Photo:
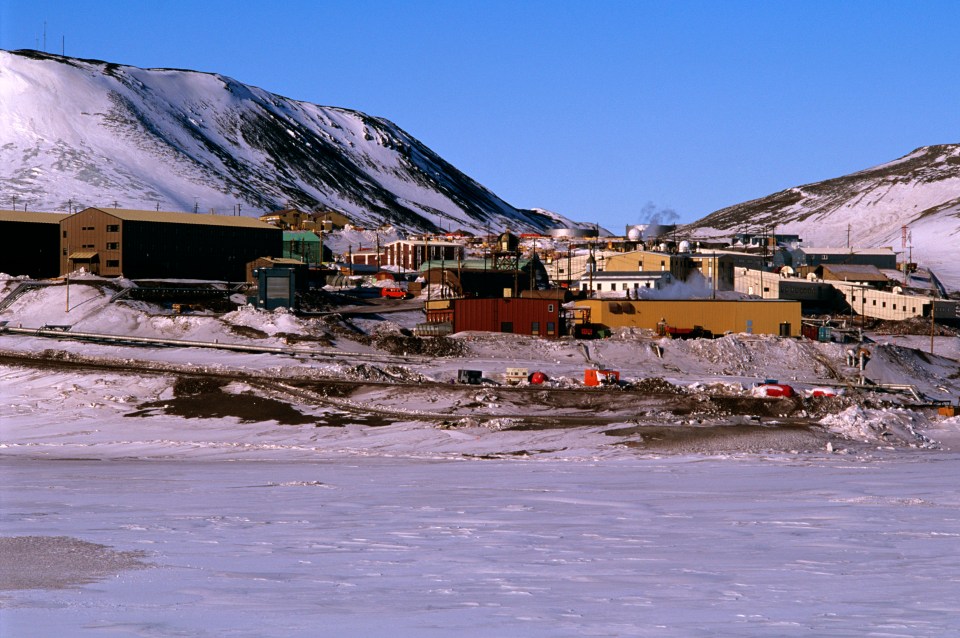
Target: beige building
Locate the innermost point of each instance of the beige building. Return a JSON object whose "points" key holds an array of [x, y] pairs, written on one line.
{"points": [[293, 219], [860, 297], [678, 265], [717, 316], [880, 304], [716, 268]]}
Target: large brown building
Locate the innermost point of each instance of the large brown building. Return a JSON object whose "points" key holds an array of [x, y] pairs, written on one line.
{"points": [[142, 244], [31, 243]]}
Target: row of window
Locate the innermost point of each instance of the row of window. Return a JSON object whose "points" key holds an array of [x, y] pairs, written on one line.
{"points": [[507, 326], [883, 304], [111, 228], [111, 245], [613, 286]]}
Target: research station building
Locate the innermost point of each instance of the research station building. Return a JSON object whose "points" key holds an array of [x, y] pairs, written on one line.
{"points": [[31, 243], [139, 244]]}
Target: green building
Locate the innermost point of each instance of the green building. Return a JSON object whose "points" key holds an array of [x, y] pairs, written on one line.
{"points": [[304, 246]]}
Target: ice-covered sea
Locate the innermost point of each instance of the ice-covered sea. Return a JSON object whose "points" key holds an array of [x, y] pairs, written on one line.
{"points": [[377, 546]]}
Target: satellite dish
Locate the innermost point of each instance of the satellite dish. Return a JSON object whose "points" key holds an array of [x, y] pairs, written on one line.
{"points": [[684, 246], [811, 276], [897, 290], [635, 234], [786, 271]]}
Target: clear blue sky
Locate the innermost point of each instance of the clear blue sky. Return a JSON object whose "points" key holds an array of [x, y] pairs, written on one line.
{"points": [[596, 109]]}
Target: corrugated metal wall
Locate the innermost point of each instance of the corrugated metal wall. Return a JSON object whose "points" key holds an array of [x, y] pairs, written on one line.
{"points": [[516, 315], [717, 316]]}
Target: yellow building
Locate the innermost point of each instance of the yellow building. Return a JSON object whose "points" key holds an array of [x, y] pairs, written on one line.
{"points": [[717, 316], [678, 265]]}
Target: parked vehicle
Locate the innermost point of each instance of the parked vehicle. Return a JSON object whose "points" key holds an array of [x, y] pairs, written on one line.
{"points": [[772, 389], [393, 293], [594, 378]]}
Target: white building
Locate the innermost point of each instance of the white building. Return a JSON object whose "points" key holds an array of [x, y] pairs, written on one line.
{"points": [[624, 282]]}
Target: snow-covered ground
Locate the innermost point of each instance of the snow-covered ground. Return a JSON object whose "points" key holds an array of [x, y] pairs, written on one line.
{"points": [[416, 526]]}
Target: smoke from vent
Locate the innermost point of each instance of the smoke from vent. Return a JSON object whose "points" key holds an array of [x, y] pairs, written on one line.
{"points": [[657, 219]]}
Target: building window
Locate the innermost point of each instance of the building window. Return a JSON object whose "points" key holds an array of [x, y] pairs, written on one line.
{"points": [[88, 246], [64, 252], [551, 328], [64, 234], [113, 263], [506, 326], [874, 302], [535, 327], [550, 307], [599, 286], [113, 228], [894, 306], [884, 304], [636, 285], [112, 245], [88, 228]]}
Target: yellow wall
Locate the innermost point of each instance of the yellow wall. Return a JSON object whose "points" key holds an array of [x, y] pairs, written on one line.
{"points": [[717, 316], [677, 265]]}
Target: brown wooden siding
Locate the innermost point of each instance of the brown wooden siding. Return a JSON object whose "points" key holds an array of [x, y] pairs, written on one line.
{"points": [[168, 250]]}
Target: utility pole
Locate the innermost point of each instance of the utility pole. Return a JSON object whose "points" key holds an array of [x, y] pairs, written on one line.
{"points": [[933, 322]]}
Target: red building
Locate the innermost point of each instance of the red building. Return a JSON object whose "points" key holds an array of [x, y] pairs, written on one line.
{"points": [[409, 254], [366, 257], [536, 317]]}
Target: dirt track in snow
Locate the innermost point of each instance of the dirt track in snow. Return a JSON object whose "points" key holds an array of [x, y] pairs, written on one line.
{"points": [[669, 420]]}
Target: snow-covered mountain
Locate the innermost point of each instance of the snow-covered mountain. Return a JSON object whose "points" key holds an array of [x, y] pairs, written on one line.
{"points": [[81, 133], [920, 191]]}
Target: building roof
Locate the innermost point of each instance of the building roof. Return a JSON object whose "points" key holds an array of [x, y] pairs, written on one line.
{"points": [[420, 242], [83, 255], [811, 250], [855, 272], [628, 274], [31, 217], [201, 219], [300, 235]]}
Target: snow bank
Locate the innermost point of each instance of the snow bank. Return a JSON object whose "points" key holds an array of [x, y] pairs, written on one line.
{"points": [[893, 426]]}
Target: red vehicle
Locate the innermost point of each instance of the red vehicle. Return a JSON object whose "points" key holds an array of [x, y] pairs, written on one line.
{"points": [[773, 390], [393, 293]]}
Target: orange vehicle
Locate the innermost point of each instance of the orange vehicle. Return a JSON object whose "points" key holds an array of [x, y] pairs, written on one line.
{"points": [[393, 293]]}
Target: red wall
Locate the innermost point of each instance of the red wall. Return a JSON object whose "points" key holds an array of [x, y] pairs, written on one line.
{"points": [[490, 315]]}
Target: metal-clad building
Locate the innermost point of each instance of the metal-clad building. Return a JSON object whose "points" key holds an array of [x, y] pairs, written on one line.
{"points": [[717, 316], [32, 243], [535, 317], [142, 244], [883, 257], [305, 246]]}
